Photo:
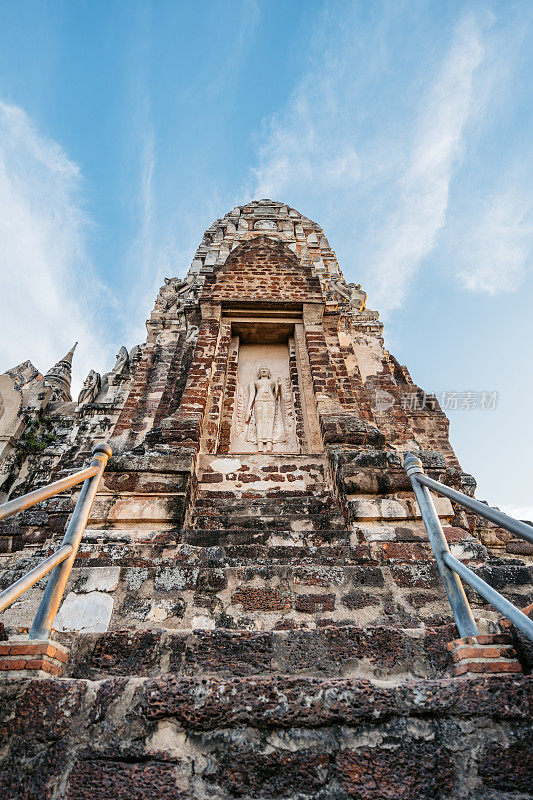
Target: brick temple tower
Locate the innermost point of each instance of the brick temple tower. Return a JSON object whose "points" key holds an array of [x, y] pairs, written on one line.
{"points": [[255, 610]]}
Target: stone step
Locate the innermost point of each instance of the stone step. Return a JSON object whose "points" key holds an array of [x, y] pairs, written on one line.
{"points": [[276, 486], [182, 587], [276, 519], [325, 520], [261, 472], [266, 541], [296, 501], [270, 596], [348, 651], [251, 737], [267, 512], [258, 506], [297, 507]]}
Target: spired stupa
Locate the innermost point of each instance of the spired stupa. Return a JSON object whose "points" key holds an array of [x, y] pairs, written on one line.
{"points": [[254, 610]]}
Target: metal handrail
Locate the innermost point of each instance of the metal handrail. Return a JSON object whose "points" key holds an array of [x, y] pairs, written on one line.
{"points": [[450, 568], [62, 560], [51, 489], [510, 524]]}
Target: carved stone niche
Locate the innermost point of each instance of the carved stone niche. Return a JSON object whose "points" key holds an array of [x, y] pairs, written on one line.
{"points": [[264, 414], [268, 403]]}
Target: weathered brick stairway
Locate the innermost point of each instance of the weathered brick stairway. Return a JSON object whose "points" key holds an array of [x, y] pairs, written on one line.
{"points": [[294, 660]]}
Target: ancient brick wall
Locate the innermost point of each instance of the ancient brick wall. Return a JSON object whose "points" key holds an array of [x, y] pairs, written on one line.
{"points": [[266, 621], [262, 270]]}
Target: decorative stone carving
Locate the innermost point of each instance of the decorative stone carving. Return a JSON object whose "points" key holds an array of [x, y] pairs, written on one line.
{"points": [[350, 293], [265, 225], [122, 367], [104, 388], [135, 353], [23, 374], [358, 297], [177, 292], [264, 414], [11, 424], [91, 387]]}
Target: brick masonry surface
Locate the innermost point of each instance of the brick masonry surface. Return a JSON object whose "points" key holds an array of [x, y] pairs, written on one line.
{"points": [[32, 658], [306, 738], [491, 654], [255, 625]]}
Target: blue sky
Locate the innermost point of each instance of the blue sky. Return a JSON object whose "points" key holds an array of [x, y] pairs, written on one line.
{"points": [[403, 128]]}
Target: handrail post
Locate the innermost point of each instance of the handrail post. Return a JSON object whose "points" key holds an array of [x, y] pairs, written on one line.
{"points": [[49, 605], [462, 612]]}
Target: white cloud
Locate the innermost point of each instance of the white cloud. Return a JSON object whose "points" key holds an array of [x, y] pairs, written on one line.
{"points": [[49, 292], [147, 198], [309, 148], [424, 186], [344, 149], [144, 255], [299, 151], [223, 80], [518, 512], [498, 245]]}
